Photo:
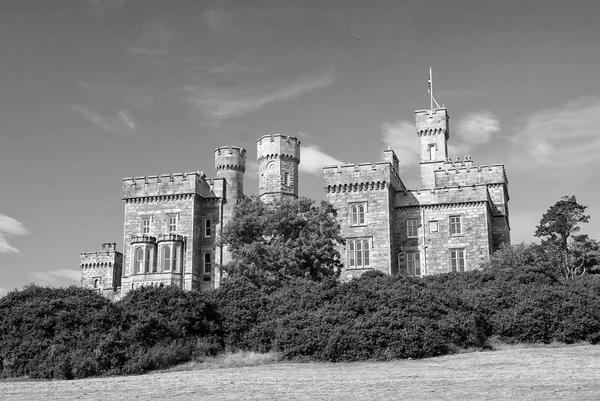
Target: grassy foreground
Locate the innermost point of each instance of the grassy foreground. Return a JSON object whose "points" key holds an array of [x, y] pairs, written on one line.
{"points": [[511, 372]]}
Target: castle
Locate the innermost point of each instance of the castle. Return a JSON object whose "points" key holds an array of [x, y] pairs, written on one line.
{"points": [[454, 222]]}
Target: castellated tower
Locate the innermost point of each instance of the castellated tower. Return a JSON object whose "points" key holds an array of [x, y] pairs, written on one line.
{"points": [[433, 131], [278, 159], [230, 164], [101, 271]]}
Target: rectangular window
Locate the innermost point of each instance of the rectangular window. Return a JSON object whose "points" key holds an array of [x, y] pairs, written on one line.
{"points": [[207, 263], [171, 223], [145, 225], [432, 149], [351, 255], [207, 228], [455, 225], [413, 263], [359, 253], [434, 226], [357, 214], [412, 228], [457, 260]]}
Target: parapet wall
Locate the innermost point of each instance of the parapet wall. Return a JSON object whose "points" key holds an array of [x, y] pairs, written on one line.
{"points": [[278, 146], [442, 196], [363, 176], [166, 184], [230, 158], [432, 122], [456, 174]]}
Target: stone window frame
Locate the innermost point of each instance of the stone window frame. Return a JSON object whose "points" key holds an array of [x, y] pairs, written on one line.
{"points": [[354, 209], [432, 224], [416, 263], [97, 282], [147, 263], [456, 256], [171, 228], [143, 226], [359, 258], [455, 227], [412, 231], [207, 228], [207, 264], [175, 250]]}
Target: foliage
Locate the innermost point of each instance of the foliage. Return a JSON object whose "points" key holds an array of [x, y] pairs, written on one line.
{"points": [[557, 227], [274, 242]]}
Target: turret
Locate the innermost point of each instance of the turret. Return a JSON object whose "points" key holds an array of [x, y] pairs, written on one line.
{"points": [[230, 163], [433, 131], [278, 158]]}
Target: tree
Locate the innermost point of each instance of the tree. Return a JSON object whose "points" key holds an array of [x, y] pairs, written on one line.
{"points": [[271, 242], [557, 227]]}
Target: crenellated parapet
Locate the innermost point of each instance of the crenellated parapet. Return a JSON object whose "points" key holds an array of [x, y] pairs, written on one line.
{"points": [[446, 197], [277, 146], [166, 185], [432, 122], [361, 177], [464, 174], [230, 158], [143, 239]]}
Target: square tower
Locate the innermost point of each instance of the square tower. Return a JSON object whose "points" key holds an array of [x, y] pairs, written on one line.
{"points": [[433, 131]]}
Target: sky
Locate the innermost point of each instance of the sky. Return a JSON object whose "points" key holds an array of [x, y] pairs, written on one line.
{"points": [[92, 91]]}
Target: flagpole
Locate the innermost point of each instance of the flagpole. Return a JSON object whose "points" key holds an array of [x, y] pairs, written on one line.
{"points": [[430, 89]]}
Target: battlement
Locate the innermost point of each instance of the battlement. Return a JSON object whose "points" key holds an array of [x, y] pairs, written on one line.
{"points": [[230, 158], [166, 184], [278, 146], [464, 174], [143, 239], [170, 237], [432, 122], [378, 174], [442, 196]]}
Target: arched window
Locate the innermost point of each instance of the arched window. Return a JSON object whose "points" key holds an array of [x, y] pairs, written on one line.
{"points": [[359, 253], [166, 258], [147, 260], [139, 260], [96, 282], [357, 214], [176, 251]]}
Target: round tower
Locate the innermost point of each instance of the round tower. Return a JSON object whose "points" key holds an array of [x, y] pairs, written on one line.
{"points": [[230, 163], [278, 158]]}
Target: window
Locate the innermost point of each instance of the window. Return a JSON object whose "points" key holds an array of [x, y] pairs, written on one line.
{"points": [[96, 283], [359, 253], [147, 261], [455, 225], [139, 259], [357, 214], [434, 226], [145, 225], [171, 223], [170, 257], [413, 263], [286, 179], [432, 149], [167, 259], [457, 260], [207, 228], [412, 228], [207, 263]]}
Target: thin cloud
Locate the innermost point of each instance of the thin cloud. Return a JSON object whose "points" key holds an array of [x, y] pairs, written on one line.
{"points": [[477, 128], [155, 40], [401, 136], [217, 20], [8, 227], [123, 123], [3, 292], [219, 104], [313, 159], [565, 136], [56, 275]]}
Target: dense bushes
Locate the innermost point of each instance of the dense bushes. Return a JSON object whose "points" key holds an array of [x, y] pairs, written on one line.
{"points": [[73, 333]]}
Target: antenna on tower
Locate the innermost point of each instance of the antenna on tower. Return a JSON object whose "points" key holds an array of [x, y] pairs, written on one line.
{"points": [[432, 100]]}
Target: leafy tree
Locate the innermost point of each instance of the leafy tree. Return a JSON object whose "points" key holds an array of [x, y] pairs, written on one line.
{"points": [[557, 227], [272, 242], [586, 254]]}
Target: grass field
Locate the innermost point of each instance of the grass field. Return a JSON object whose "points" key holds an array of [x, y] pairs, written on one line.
{"points": [[548, 372]]}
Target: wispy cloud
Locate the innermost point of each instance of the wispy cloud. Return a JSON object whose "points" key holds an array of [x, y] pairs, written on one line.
{"points": [[219, 104], [8, 227], [155, 40], [565, 136], [217, 20], [3, 292], [122, 123], [313, 159], [402, 137], [472, 130], [56, 275]]}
